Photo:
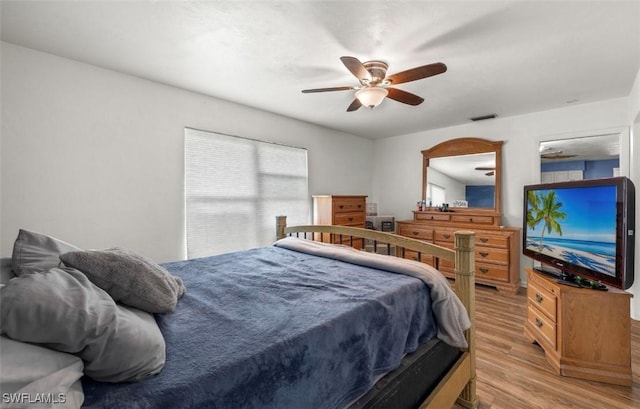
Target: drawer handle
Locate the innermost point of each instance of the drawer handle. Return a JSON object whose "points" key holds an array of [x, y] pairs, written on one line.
{"points": [[447, 236], [470, 219], [483, 254], [484, 239], [359, 206], [484, 270], [431, 217], [538, 323], [415, 233], [539, 297], [341, 206], [350, 219]]}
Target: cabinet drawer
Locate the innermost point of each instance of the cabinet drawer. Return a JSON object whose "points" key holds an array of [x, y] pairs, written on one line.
{"points": [[441, 217], [484, 239], [492, 271], [349, 205], [544, 327], [415, 231], [544, 300], [459, 218], [349, 219], [443, 236], [495, 255]]}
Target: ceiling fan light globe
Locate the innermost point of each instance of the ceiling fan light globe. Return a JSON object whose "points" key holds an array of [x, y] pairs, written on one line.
{"points": [[371, 96]]}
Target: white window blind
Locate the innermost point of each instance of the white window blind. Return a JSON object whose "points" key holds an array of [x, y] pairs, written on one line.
{"points": [[235, 188]]}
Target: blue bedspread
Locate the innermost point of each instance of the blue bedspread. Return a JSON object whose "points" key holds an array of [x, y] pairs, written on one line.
{"points": [[276, 328]]}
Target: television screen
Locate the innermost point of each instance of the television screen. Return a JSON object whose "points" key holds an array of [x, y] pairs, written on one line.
{"points": [[582, 228]]}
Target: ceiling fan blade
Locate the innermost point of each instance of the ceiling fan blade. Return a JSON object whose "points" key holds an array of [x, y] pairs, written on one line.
{"points": [[306, 91], [404, 96], [417, 73], [355, 105], [356, 67], [556, 156]]}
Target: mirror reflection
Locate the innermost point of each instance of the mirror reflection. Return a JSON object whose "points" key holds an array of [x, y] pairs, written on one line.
{"points": [[590, 157], [462, 181]]}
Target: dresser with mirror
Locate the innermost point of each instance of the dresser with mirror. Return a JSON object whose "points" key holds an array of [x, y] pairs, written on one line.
{"points": [[461, 190]]}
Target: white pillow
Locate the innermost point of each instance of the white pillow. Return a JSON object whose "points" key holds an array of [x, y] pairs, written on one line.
{"points": [[31, 373]]}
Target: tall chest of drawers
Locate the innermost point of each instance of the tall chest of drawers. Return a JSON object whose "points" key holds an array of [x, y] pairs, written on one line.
{"points": [[497, 255], [345, 210], [584, 333]]}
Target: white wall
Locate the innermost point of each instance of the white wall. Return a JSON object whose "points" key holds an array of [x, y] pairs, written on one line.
{"points": [[95, 157], [398, 171], [633, 118]]}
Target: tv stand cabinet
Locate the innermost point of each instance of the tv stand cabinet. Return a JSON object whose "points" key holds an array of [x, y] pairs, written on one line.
{"points": [[585, 333]]}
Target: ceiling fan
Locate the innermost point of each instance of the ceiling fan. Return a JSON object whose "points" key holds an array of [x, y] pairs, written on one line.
{"points": [[491, 169], [555, 154], [375, 85]]}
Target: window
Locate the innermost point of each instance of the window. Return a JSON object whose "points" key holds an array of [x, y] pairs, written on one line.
{"points": [[234, 189], [436, 195]]}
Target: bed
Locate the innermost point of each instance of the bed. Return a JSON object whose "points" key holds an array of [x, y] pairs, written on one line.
{"points": [[366, 333]]}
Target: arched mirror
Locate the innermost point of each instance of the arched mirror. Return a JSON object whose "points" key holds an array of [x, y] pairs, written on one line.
{"points": [[465, 174]]}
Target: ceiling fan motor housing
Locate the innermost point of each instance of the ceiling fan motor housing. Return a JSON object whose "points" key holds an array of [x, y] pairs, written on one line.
{"points": [[377, 69]]}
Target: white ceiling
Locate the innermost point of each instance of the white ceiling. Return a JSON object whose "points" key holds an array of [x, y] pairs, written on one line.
{"points": [[503, 57]]}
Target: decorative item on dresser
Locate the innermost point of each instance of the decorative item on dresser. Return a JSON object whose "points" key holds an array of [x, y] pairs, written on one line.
{"points": [[467, 170], [585, 333], [343, 210]]}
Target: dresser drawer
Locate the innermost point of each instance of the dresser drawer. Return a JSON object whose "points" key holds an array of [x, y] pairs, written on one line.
{"points": [[492, 240], [494, 255], [492, 271], [445, 236], [415, 231], [446, 264], [473, 219], [342, 205], [445, 244], [542, 325], [433, 216], [349, 219], [543, 300]]}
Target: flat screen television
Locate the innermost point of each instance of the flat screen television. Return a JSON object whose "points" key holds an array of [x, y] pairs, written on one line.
{"points": [[584, 230]]}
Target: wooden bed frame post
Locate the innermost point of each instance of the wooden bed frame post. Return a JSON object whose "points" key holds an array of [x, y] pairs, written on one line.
{"points": [[281, 223], [465, 289]]}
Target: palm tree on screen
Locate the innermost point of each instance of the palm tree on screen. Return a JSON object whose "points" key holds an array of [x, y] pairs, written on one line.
{"points": [[549, 212], [533, 210]]}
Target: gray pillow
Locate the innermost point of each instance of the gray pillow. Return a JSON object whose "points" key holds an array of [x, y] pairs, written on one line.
{"points": [[62, 310], [37, 252], [129, 278]]}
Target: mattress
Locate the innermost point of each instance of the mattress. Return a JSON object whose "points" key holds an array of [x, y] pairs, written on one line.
{"points": [[417, 376]]}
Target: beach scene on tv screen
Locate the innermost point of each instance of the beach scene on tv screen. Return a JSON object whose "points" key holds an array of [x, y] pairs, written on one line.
{"points": [[577, 225]]}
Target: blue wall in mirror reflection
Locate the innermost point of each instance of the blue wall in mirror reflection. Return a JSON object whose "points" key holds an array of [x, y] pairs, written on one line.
{"points": [[592, 169]]}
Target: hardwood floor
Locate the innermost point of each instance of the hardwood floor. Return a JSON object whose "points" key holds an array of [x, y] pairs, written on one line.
{"points": [[513, 373]]}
